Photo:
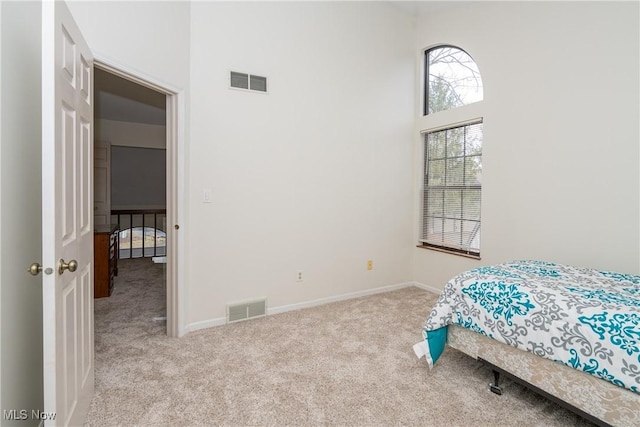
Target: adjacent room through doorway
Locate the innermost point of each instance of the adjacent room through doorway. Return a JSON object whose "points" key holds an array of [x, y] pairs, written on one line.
{"points": [[130, 187]]}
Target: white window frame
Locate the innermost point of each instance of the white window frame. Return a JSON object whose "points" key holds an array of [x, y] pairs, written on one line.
{"points": [[440, 120], [464, 249]]}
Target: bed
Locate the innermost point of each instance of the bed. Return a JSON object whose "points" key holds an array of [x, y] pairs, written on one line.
{"points": [[572, 334]]}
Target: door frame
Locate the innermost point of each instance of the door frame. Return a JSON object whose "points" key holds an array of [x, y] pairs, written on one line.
{"points": [[175, 135]]}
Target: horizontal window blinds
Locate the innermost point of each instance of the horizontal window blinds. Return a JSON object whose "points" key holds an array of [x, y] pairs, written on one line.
{"points": [[452, 188]]}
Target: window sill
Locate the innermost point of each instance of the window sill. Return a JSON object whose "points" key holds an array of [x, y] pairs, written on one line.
{"points": [[447, 251]]}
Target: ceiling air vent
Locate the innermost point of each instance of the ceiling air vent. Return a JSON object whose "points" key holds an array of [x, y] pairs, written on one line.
{"points": [[248, 81], [246, 310]]}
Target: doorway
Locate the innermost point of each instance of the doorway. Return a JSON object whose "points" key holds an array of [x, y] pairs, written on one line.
{"points": [[137, 118]]}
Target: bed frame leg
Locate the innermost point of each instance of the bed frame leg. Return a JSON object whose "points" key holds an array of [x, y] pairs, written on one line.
{"points": [[494, 387]]}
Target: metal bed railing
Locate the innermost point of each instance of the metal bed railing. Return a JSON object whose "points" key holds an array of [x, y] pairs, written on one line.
{"points": [[142, 232]]}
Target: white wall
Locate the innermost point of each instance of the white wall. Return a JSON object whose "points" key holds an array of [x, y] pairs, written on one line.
{"points": [[312, 176], [561, 132], [1, 140], [130, 134], [315, 175], [149, 36], [20, 211], [151, 39]]}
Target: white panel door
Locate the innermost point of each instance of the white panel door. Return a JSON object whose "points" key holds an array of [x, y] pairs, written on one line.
{"points": [[67, 212], [102, 183]]}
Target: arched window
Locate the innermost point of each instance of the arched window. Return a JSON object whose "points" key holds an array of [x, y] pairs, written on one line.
{"points": [[452, 79], [452, 181], [139, 242]]}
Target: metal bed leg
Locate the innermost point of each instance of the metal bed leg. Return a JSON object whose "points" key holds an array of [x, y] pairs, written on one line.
{"points": [[494, 387]]}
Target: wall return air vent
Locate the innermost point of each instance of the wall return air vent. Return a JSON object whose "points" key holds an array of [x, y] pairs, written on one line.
{"points": [[246, 310], [247, 81]]}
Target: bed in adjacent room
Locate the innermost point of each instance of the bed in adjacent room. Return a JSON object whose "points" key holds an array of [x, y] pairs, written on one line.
{"points": [[579, 329]]}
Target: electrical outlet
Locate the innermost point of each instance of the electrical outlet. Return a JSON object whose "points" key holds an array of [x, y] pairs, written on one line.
{"points": [[299, 277], [370, 265]]}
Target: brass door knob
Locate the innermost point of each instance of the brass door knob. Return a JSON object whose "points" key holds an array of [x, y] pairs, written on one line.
{"points": [[34, 269], [71, 266]]}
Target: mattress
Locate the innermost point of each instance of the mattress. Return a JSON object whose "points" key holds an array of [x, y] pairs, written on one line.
{"points": [[604, 400], [586, 319]]}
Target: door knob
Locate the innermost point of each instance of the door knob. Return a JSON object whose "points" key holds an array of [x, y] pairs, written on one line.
{"points": [[34, 269], [71, 266]]}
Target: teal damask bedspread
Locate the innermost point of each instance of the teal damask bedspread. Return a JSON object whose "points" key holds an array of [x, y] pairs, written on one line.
{"points": [[584, 318]]}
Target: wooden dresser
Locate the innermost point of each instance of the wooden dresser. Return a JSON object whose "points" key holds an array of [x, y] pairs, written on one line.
{"points": [[105, 259]]}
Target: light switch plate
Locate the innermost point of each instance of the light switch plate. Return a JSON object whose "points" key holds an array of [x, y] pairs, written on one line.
{"points": [[206, 195]]}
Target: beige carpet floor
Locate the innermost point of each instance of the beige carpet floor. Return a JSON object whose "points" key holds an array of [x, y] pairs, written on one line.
{"points": [[348, 363]]}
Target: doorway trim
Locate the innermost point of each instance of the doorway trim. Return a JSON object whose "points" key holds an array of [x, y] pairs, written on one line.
{"points": [[175, 135]]}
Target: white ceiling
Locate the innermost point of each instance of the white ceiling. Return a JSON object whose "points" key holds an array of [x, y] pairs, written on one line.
{"points": [[122, 100]]}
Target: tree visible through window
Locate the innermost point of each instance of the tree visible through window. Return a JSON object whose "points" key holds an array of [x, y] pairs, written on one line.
{"points": [[453, 154], [452, 79], [452, 188]]}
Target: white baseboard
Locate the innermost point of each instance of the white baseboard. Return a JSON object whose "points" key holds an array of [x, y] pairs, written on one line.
{"points": [[427, 288], [307, 304], [204, 324], [336, 298]]}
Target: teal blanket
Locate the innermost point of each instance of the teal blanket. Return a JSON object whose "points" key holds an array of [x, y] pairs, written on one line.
{"points": [[584, 318]]}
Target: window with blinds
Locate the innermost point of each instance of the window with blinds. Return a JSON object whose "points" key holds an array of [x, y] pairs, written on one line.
{"points": [[452, 188]]}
